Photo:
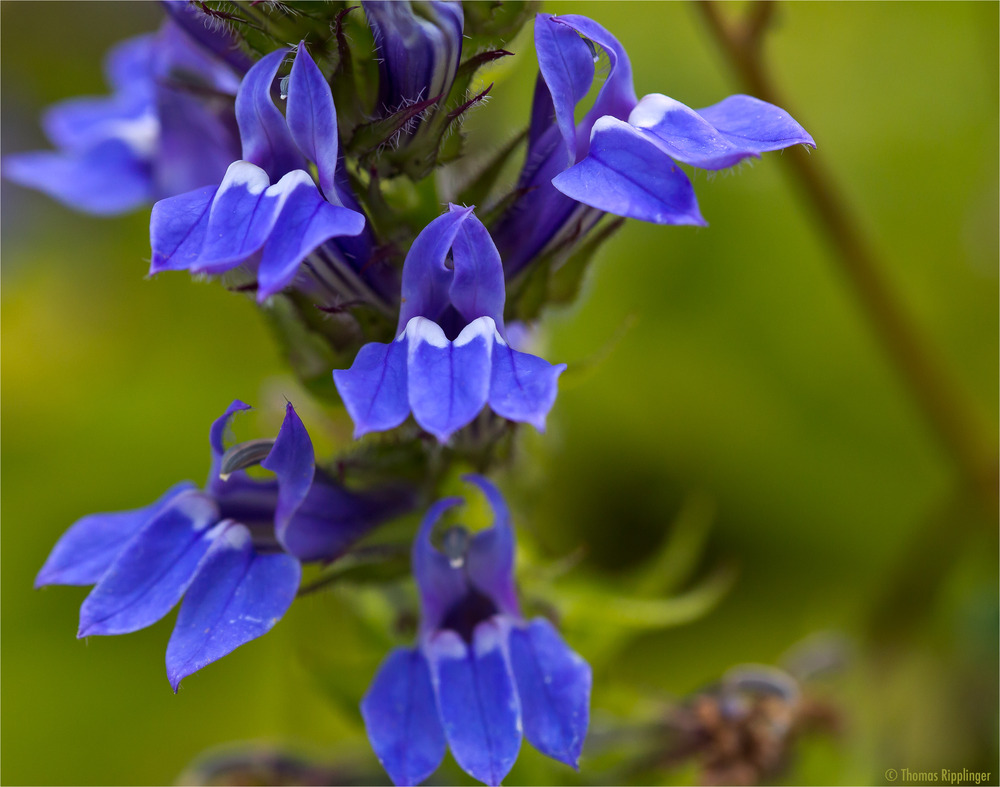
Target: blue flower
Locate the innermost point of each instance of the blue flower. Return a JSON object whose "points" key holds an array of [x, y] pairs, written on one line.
{"points": [[480, 673], [451, 356], [622, 156], [419, 49], [168, 127], [267, 212], [232, 550]]}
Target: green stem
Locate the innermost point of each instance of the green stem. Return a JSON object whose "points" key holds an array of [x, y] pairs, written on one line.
{"points": [[951, 415]]}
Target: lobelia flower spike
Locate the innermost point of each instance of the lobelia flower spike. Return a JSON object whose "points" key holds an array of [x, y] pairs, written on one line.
{"points": [[168, 127], [267, 212], [451, 356], [480, 673], [622, 156], [232, 550]]}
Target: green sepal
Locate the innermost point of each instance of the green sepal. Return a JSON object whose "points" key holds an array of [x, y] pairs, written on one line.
{"points": [[557, 276], [262, 28], [315, 341]]}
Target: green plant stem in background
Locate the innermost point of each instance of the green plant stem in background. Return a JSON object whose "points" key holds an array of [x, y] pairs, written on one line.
{"points": [[945, 405]]}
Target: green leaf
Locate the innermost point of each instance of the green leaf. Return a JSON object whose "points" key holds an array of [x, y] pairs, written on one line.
{"points": [[566, 279], [681, 550], [593, 608]]}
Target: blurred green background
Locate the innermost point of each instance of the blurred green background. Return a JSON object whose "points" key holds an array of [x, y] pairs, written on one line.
{"points": [[734, 364]]}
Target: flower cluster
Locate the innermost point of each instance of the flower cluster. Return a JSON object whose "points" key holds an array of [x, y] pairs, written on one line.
{"points": [[308, 179]]}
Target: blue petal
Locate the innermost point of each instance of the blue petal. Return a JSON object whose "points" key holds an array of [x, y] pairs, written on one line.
{"points": [[477, 289], [628, 175], [266, 141], [522, 386], [128, 65], [177, 229], [489, 560], [240, 219], [312, 119], [179, 55], [90, 546], [217, 434], [196, 144], [374, 388], [237, 595], [152, 572], [566, 64], [426, 279], [721, 135], [477, 700], [441, 584], [401, 718], [617, 95], [756, 120], [306, 220], [81, 123], [104, 180], [553, 684], [448, 383], [293, 461]]}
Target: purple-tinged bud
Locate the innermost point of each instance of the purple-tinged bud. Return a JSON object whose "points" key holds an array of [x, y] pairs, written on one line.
{"points": [[419, 48]]}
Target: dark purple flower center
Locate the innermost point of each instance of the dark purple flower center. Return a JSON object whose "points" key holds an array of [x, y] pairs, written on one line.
{"points": [[467, 613]]}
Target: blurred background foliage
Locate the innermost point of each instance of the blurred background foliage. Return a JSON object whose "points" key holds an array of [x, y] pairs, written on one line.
{"points": [[731, 377]]}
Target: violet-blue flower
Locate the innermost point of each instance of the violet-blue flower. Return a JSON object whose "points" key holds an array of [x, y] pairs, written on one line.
{"points": [[168, 127], [451, 357], [480, 674], [622, 157], [624, 151], [267, 212], [232, 550]]}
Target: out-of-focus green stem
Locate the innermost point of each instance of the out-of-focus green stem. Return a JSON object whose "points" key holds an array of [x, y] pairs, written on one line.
{"points": [[951, 414]]}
